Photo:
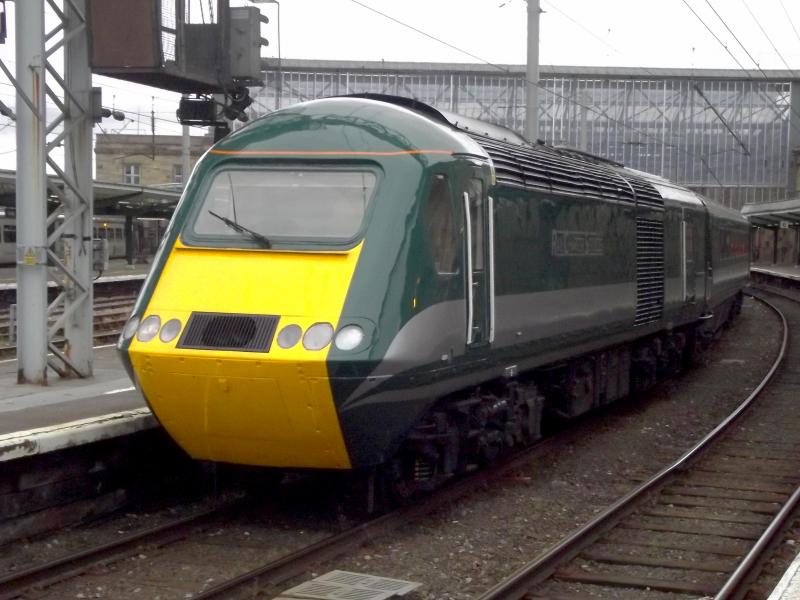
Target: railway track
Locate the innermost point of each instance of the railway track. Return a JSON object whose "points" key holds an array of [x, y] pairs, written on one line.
{"points": [[685, 498], [269, 575], [701, 527], [72, 565], [110, 314]]}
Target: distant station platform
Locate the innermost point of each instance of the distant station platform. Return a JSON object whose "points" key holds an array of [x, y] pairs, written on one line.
{"points": [[776, 238], [36, 419], [119, 270], [791, 272], [765, 214]]}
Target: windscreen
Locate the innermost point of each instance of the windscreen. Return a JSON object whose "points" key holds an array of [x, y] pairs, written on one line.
{"points": [[285, 205]]}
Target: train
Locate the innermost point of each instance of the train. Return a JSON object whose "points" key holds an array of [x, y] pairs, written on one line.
{"points": [[367, 283], [147, 234]]}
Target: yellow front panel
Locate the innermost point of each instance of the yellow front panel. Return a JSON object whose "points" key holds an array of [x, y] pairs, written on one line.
{"points": [[272, 409]]}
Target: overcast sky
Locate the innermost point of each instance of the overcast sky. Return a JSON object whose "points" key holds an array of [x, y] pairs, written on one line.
{"points": [[647, 33]]}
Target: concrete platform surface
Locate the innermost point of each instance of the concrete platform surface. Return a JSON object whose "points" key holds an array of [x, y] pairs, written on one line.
{"points": [[788, 587], [789, 272], [118, 270], [68, 412]]}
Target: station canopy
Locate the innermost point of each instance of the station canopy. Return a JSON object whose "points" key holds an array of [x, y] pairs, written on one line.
{"points": [[773, 214], [109, 198]]}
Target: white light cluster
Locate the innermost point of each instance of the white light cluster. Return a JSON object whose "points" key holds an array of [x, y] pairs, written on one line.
{"points": [[147, 329], [319, 335]]}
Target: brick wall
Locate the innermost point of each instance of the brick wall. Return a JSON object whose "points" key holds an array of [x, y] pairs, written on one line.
{"points": [[156, 156]]}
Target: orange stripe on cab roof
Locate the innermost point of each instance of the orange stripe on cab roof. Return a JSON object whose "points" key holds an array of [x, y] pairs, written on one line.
{"points": [[326, 152]]}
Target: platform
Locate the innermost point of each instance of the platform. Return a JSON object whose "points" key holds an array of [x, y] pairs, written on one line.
{"points": [[118, 270], [788, 587], [787, 272], [68, 412]]}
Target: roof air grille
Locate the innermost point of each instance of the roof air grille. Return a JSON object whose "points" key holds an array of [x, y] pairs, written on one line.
{"points": [[566, 172], [646, 195], [547, 170]]}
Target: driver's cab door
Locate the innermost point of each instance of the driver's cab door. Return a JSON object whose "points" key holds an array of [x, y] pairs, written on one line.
{"points": [[479, 259], [693, 250]]}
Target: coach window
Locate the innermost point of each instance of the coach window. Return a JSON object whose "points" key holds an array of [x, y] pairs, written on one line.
{"points": [[440, 227], [9, 233]]}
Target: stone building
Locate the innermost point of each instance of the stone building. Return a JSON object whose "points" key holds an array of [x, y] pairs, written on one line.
{"points": [[144, 160]]}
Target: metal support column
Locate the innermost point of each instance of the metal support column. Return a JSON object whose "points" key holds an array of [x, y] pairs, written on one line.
{"points": [[59, 238], [793, 145], [129, 238], [31, 194], [78, 197], [532, 73]]}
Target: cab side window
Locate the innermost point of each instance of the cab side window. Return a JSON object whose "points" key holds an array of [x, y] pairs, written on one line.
{"points": [[475, 192], [440, 227]]}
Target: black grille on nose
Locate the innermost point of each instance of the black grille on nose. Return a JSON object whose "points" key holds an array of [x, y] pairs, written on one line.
{"points": [[220, 331]]}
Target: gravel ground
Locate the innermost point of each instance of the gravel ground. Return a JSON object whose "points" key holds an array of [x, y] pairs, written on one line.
{"points": [[460, 551], [30, 552]]}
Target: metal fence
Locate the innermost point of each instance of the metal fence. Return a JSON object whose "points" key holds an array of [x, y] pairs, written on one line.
{"points": [[726, 137]]}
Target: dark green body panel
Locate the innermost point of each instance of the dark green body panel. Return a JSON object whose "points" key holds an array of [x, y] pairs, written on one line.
{"points": [[376, 415]]}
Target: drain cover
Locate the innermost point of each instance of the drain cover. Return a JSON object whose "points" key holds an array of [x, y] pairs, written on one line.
{"points": [[344, 585]]}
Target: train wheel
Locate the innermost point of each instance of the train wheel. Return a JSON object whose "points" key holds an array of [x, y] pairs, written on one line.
{"points": [[395, 485]]}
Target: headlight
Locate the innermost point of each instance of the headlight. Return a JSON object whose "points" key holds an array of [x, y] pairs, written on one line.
{"points": [[289, 336], [349, 337], [149, 328], [170, 330], [318, 336], [130, 328]]}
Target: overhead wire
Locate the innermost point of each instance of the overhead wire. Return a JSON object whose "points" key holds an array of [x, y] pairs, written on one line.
{"points": [[432, 37], [789, 18], [716, 37], [778, 108], [606, 43], [738, 41], [593, 109], [586, 29], [769, 39]]}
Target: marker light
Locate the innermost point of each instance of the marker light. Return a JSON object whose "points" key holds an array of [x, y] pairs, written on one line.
{"points": [[170, 330], [349, 337], [149, 328], [130, 328], [289, 336], [318, 336]]}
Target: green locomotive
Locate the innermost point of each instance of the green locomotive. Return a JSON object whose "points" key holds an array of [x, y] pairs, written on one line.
{"points": [[365, 281]]}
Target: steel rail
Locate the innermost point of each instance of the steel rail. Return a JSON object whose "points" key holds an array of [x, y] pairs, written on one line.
{"points": [[280, 570], [105, 325], [747, 570], [519, 583], [15, 584]]}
